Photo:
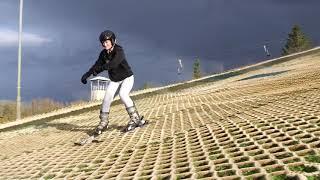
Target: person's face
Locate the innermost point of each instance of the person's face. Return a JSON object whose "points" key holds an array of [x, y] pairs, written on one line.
{"points": [[107, 45]]}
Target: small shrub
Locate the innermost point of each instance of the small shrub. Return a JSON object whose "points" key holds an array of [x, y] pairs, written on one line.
{"points": [[313, 158], [303, 168]]}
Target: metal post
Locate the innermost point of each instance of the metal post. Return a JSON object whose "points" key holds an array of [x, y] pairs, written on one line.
{"points": [[91, 91], [19, 64]]}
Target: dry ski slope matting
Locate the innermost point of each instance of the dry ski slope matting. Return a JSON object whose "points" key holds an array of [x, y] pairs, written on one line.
{"points": [[261, 124]]}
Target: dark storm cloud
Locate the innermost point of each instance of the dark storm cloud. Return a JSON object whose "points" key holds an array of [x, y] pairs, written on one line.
{"points": [[222, 34], [211, 29]]}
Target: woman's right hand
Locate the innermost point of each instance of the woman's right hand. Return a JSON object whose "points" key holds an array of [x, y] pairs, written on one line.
{"points": [[85, 77]]}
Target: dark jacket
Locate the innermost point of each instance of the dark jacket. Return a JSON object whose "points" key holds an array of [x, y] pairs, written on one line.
{"points": [[115, 63]]}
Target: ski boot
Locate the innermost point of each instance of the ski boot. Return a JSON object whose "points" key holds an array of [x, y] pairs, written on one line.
{"points": [[98, 130], [103, 123], [135, 119]]}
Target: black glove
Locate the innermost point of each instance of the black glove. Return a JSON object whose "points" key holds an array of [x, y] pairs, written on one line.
{"points": [[85, 77]]}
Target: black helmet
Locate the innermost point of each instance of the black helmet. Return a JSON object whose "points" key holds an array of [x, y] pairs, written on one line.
{"points": [[107, 35]]}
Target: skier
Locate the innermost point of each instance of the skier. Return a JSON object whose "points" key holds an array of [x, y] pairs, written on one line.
{"points": [[112, 59]]}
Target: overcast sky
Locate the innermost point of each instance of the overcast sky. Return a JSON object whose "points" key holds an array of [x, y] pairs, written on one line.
{"points": [[61, 39]]}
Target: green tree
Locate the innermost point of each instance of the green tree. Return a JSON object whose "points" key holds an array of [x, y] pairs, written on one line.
{"points": [[297, 41], [196, 69]]}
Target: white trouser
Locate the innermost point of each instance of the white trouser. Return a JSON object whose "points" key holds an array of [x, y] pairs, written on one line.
{"points": [[125, 88]]}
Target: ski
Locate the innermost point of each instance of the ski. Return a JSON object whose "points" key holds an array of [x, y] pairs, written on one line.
{"points": [[124, 130], [94, 137], [88, 140]]}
